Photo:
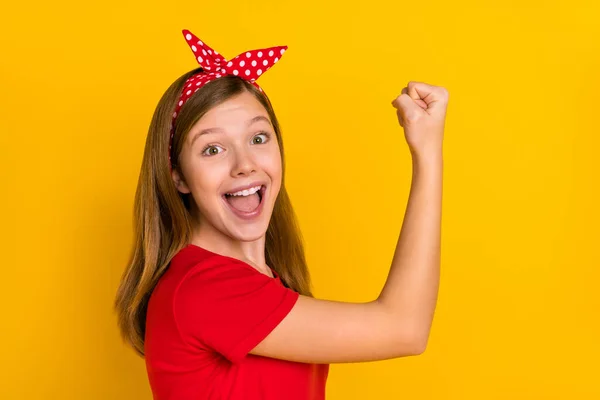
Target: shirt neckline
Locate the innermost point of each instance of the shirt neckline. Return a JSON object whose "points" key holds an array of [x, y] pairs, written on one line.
{"points": [[275, 274]]}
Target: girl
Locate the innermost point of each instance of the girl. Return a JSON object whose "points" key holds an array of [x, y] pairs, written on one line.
{"points": [[217, 294]]}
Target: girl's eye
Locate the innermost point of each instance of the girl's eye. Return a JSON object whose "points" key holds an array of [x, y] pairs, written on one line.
{"points": [[261, 141], [211, 150]]}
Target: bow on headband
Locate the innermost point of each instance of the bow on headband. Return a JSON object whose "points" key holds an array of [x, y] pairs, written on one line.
{"points": [[248, 65]]}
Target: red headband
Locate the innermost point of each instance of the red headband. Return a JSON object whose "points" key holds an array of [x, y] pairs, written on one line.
{"points": [[248, 65]]}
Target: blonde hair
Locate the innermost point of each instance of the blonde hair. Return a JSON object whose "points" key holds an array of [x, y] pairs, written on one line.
{"points": [[162, 219]]}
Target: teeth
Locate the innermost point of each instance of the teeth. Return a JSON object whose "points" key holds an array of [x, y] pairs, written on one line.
{"points": [[245, 192]]}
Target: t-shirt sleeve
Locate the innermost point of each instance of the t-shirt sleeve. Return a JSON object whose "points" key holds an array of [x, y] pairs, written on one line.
{"points": [[229, 307]]}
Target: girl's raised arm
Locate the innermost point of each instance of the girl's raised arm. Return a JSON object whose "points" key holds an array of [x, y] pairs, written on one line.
{"points": [[398, 322]]}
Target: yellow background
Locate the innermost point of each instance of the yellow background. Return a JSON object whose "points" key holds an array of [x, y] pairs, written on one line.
{"points": [[518, 312]]}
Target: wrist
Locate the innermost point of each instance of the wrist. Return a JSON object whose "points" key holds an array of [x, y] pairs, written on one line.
{"points": [[423, 159]]}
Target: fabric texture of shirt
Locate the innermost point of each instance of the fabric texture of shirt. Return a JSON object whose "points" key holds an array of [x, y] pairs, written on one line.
{"points": [[207, 312]]}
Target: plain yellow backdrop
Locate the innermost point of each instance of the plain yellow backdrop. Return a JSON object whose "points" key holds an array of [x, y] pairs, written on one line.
{"points": [[519, 305]]}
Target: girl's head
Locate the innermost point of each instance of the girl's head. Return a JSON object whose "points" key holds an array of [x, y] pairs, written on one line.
{"points": [[226, 141], [226, 137]]}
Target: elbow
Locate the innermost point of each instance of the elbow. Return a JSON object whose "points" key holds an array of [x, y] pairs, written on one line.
{"points": [[420, 344], [410, 345], [419, 348]]}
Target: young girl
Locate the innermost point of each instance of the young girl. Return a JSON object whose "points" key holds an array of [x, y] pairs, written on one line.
{"points": [[217, 294]]}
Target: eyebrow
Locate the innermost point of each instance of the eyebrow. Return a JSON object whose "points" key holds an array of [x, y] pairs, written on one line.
{"points": [[214, 130]]}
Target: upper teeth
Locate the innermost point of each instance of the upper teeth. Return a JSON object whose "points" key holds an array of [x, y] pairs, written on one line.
{"points": [[246, 192]]}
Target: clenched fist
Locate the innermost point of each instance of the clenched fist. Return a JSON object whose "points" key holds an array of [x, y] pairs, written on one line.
{"points": [[421, 110]]}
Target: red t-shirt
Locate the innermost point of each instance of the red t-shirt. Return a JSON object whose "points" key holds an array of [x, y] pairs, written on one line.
{"points": [[204, 316]]}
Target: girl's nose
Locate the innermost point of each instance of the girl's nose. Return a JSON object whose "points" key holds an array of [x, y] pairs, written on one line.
{"points": [[244, 163]]}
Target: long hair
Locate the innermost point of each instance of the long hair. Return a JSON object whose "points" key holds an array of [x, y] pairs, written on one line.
{"points": [[162, 220]]}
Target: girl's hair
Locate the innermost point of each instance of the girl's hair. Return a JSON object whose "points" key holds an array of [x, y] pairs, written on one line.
{"points": [[162, 219]]}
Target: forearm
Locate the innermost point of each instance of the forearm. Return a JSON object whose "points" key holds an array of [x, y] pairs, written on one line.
{"points": [[411, 289]]}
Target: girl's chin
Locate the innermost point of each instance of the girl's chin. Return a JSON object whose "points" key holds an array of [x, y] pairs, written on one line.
{"points": [[248, 233]]}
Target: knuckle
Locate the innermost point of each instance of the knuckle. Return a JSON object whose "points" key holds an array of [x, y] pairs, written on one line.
{"points": [[443, 92]]}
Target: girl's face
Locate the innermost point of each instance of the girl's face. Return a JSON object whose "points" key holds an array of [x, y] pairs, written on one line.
{"points": [[231, 150]]}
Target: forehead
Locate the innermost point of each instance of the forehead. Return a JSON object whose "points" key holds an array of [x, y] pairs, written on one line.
{"points": [[233, 111], [233, 115]]}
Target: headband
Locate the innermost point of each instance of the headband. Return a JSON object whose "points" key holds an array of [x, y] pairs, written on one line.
{"points": [[248, 65]]}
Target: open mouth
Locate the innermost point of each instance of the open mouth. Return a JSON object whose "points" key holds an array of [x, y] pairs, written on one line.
{"points": [[247, 203]]}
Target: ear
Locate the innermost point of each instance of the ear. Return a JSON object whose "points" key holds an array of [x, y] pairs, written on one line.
{"points": [[179, 182]]}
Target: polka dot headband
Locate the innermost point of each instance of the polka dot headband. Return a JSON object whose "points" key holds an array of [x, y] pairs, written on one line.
{"points": [[248, 65]]}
